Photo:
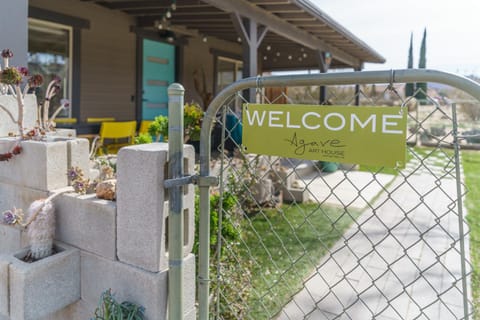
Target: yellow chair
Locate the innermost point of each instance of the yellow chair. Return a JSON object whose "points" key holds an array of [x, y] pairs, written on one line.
{"points": [[144, 126], [98, 120], [113, 136], [66, 120]]}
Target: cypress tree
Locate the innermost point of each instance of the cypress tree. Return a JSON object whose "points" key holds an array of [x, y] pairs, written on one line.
{"points": [[409, 87], [422, 64]]}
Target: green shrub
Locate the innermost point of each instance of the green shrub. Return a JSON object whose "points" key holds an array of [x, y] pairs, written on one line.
{"points": [[229, 232], [234, 279], [110, 309], [143, 138]]}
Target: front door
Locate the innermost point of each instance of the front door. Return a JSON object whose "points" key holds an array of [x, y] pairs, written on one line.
{"points": [[158, 74]]}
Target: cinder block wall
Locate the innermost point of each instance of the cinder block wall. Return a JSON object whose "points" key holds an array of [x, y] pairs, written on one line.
{"points": [[102, 244]]}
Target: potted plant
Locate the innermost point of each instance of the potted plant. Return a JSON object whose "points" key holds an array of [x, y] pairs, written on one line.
{"points": [[192, 121], [17, 82]]}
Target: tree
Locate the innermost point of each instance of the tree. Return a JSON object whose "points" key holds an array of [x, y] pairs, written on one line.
{"points": [[409, 87], [422, 64]]}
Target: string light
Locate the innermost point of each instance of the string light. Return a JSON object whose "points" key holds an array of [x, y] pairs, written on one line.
{"points": [[164, 21]]}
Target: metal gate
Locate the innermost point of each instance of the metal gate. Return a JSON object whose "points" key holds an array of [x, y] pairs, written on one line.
{"points": [[283, 238]]}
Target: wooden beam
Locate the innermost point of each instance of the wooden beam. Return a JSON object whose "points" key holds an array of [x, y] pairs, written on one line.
{"points": [[301, 16], [283, 28], [151, 4], [187, 13], [265, 2], [282, 8]]}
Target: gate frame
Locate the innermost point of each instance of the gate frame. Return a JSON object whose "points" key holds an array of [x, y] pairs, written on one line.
{"points": [[322, 79]]}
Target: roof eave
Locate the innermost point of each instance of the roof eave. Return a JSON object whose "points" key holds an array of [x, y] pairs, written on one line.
{"points": [[315, 11]]}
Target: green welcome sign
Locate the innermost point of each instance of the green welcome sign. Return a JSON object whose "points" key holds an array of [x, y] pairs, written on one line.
{"points": [[363, 135]]}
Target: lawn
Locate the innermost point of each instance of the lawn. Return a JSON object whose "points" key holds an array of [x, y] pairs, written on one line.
{"points": [[471, 169], [287, 245]]}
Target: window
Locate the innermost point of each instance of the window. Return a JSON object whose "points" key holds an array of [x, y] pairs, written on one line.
{"points": [[50, 54], [228, 71]]}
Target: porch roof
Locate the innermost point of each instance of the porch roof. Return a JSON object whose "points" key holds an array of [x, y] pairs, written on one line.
{"points": [[297, 30]]}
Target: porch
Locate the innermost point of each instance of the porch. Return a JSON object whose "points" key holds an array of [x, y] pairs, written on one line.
{"points": [[116, 58]]}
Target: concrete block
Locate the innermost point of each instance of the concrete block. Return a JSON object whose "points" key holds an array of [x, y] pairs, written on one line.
{"points": [[189, 220], [189, 282], [17, 196], [87, 223], [295, 195], [191, 314], [188, 230], [29, 111], [45, 286], [4, 293], [65, 133], [129, 283], [141, 204], [78, 154], [79, 310], [12, 239], [41, 165]]}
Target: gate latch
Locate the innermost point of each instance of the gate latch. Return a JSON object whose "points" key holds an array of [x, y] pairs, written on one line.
{"points": [[195, 179]]}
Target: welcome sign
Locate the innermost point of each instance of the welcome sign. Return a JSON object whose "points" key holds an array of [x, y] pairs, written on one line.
{"points": [[362, 135]]}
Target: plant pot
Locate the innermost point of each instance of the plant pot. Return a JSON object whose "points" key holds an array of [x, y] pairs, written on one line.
{"points": [[37, 289]]}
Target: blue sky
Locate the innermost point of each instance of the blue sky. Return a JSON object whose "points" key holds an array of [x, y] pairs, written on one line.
{"points": [[453, 30]]}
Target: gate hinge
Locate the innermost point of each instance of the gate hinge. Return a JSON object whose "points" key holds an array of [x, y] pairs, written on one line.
{"points": [[195, 179]]}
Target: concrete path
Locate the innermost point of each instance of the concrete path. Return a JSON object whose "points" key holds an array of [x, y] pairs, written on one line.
{"points": [[400, 261]]}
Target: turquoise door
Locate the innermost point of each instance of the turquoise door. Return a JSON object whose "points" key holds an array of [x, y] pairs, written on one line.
{"points": [[158, 74]]}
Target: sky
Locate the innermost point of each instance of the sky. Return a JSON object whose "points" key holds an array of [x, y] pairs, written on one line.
{"points": [[453, 30]]}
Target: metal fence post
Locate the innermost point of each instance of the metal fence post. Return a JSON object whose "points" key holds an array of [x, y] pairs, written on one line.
{"points": [[175, 220], [456, 148]]}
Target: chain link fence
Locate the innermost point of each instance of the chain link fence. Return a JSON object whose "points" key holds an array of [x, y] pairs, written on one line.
{"points": [[301, 239]]}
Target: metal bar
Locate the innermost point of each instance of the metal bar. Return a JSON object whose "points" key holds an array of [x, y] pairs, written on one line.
{"points": [[170, 183], [456, 146], [204, 226], [220, 211], [343, 78], [175, 219]]}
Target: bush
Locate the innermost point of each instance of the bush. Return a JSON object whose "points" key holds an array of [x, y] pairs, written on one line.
{"points": [[143, 138], [234, 279], [110, 309], [192, 120]]}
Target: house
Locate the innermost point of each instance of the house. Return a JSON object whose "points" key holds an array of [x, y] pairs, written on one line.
{"points": [[117, 57]]}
